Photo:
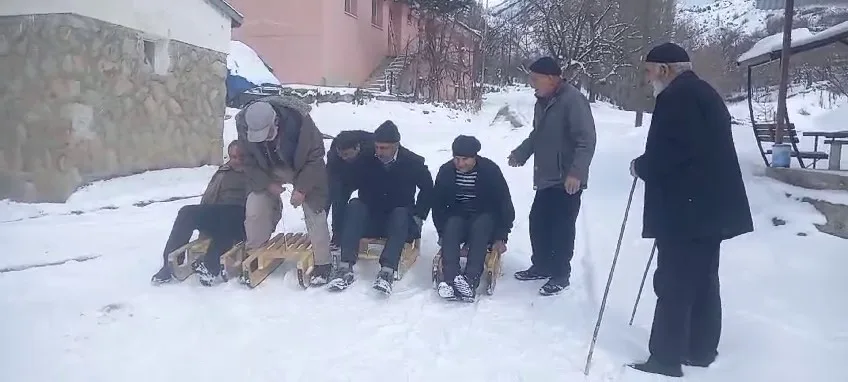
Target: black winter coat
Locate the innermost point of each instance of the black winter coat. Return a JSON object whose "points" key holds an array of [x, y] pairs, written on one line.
{"points": [[492, 197], [383, 190], [693, 184]]}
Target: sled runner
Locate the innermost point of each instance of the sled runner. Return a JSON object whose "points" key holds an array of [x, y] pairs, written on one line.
{"points": [[182, 259], [255, 266], [491, 268], [370, 248]]}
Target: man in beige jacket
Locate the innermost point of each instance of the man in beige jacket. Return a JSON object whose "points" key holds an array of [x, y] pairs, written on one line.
{"points": [[282, 145]]}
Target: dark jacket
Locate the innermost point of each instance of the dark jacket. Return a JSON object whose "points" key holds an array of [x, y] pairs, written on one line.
{"points": [[298, 145], [342, 174], [562, 140], [384, 189], [227, 186], [693, 184], [492, 197]]}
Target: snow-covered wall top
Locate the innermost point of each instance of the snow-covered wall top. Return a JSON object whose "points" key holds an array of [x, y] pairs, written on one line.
{"points": [[243, 61], [196, 22]]}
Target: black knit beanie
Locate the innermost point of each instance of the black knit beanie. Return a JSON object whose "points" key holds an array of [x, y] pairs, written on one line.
{"points": [[667, 53], [546, 65], [465, 146], [387, 133]]}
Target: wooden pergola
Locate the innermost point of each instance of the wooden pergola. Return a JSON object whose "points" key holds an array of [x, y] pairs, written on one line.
{"points": [[770, 49]]}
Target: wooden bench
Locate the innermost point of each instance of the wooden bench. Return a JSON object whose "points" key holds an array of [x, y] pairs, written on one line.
{"points": [[491, 268], [765, 132]]}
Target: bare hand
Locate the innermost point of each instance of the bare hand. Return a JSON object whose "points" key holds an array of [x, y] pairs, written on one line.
{"points": [[276, 189], [297, 198], [499, 246], [512, 162], [572, 185], [633, 169]]}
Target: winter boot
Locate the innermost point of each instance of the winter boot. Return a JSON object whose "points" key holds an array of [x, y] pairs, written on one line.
{"points": [[463, 288], [554, 286], [655, 367], [446, 291], [321, 274], [699, 362], [342, 277], [163, 276], [531, 273], [206, 277], [385, 279]]}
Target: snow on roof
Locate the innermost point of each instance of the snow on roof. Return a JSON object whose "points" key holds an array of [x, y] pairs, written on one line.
{"points": [[244, 61], [763, 49]]}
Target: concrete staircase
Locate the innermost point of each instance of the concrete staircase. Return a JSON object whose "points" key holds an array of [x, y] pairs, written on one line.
{"points": [[391, 67]]}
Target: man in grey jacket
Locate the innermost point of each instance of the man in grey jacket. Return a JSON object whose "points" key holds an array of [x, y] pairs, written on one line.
{"points": [[563, 144]]}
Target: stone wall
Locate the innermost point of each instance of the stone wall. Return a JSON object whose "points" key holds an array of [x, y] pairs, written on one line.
{"points": [[79, 102]]}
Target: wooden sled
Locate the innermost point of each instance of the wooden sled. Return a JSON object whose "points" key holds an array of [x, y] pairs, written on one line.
{"points": [[182, 259], [370, 249], [491, 268], [255, 266]]}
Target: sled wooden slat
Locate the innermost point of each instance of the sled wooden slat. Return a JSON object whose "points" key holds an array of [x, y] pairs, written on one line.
{"points": [[261, 262], [408, 256], [182, 258], [491, 268]]}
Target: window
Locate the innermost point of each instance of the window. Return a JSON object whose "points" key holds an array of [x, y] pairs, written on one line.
{"points": [[350, 7], [156, 55], [377, 13], [150, 53]]}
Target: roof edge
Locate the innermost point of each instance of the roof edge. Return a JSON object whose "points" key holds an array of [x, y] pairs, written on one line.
{"points": [[228, 10]]}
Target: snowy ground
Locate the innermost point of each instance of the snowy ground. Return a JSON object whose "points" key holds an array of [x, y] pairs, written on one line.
{"points": [[100, 320]]}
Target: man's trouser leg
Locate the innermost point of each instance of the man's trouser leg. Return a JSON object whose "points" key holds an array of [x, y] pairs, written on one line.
{"points": [[705, 319], [540, 232], [319, 234], [564, 209], [355, 226], [680, 266], [398, 232], [452, 238], [228, 231], [189, 218], [262, 213], [478, 238]]}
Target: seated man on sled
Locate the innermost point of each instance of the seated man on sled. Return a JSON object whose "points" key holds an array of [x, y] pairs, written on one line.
{"points": [[219, 216], [347, 148], [386, 206], [472, 205]]}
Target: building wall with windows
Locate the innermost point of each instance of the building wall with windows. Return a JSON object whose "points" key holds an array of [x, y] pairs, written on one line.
{"points": [[92, 90], [322, 42]]}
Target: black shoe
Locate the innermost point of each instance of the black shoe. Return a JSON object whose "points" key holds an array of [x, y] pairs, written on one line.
{"points": [[341, 278], [207, 278], [698, 362], [384, 281], [464, 289], [321, 274], [654, 367], [163, 276], [531, 274], [555, 285]]}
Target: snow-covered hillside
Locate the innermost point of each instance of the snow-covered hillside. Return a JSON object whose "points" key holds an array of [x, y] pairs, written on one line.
{"points": [[710, 16], [98, 318]]}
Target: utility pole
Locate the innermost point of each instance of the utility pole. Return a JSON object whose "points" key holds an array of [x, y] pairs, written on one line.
{"points": [[788, 13]]}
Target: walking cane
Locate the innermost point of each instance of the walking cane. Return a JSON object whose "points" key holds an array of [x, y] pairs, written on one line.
{"points": [[609, 280], [642, 285]]}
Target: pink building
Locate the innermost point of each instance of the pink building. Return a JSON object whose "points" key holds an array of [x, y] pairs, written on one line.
{"points": [[357, 43]]}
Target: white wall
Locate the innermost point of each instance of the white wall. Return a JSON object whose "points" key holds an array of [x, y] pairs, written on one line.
{"points": [[195, 22]]}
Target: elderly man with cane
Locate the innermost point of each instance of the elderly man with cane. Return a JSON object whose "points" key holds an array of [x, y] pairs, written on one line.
{"points": [[694, 199]]}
